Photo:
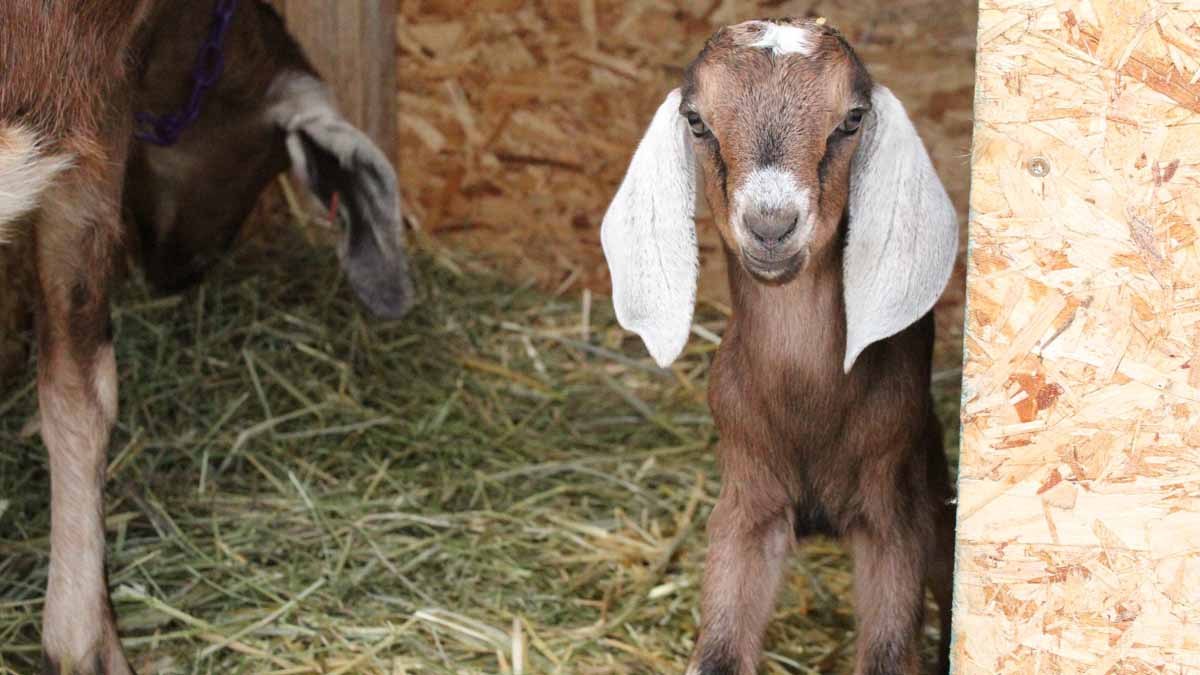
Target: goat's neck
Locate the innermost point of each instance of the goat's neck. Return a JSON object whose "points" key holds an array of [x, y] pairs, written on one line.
{"points": [[799, 326]]}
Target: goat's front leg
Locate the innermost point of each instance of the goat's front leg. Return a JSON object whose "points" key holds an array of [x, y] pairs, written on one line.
{"points": [[889, 590], [77, 397], [749, 538]]}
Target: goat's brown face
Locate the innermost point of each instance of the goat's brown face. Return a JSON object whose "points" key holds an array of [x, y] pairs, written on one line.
{"points": [[775, 109], [268, 111]]}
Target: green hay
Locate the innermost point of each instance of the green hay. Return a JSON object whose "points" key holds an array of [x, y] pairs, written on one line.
{"points": [[480, 488]]}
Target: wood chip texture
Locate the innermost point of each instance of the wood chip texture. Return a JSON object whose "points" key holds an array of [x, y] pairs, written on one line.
{"points": [[1079, 515]]}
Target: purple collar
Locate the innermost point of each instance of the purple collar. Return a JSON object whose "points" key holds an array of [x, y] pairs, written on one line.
{"points": [[165, 130]]}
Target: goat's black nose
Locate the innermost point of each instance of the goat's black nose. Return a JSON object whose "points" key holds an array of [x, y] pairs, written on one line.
{"points": [[770, 228]]}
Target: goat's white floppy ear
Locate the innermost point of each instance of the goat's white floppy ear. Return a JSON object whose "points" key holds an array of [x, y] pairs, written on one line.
{"points": [[903, 229], [649, 237]]}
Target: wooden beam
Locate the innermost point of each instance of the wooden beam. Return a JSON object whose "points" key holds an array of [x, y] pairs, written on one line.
{"points": [[1079, 504], [353, 45]]}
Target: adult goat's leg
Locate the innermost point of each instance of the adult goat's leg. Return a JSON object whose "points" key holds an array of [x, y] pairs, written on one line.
{"points": [[75, 237]]}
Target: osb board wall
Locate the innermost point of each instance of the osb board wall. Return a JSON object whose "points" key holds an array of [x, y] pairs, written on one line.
{"points": [[1079, 505], [518, 117], [353, 45]]}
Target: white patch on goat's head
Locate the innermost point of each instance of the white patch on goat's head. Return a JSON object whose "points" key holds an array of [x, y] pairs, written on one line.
{"points": [[784, 39], [771, 190]]}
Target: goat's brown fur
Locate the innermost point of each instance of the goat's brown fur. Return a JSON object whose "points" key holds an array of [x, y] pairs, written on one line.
{"points": [[71, 74], [61, 93], [185, 220], [805, 448], [65, 83], [16, 312], [183, 225]]}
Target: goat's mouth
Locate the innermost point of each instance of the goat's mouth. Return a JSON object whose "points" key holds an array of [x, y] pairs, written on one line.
{"points": [[774, 267]]}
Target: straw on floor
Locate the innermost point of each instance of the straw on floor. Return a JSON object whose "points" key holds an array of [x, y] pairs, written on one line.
{"points": [[500, 483]]}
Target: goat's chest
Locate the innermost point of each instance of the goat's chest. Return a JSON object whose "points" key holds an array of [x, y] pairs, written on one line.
{"points": [[775, 400], [802, 406]]}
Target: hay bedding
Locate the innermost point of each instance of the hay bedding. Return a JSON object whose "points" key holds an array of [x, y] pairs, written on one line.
{"points": [[498, 484], [500, 479]]}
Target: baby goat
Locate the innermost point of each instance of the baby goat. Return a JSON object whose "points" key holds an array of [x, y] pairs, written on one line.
{"points": [[839, 239], [67, 86]]}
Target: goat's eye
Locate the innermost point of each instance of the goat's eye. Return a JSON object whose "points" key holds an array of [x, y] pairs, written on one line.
{"points": [[699, 128], [852, 122]]}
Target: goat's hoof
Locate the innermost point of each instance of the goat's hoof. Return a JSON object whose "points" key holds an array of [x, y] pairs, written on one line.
{"points": [[102, 662]]}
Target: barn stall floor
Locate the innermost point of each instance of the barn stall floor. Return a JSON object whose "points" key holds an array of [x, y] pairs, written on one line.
{"points": [[295, 489]]}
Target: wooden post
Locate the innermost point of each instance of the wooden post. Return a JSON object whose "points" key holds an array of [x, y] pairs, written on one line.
{"points": [[353, 45], [1079, 505]]}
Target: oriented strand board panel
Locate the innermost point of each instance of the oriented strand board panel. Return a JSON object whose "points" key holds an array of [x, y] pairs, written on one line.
{"points": [[353, 45], [1079, 511]]}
